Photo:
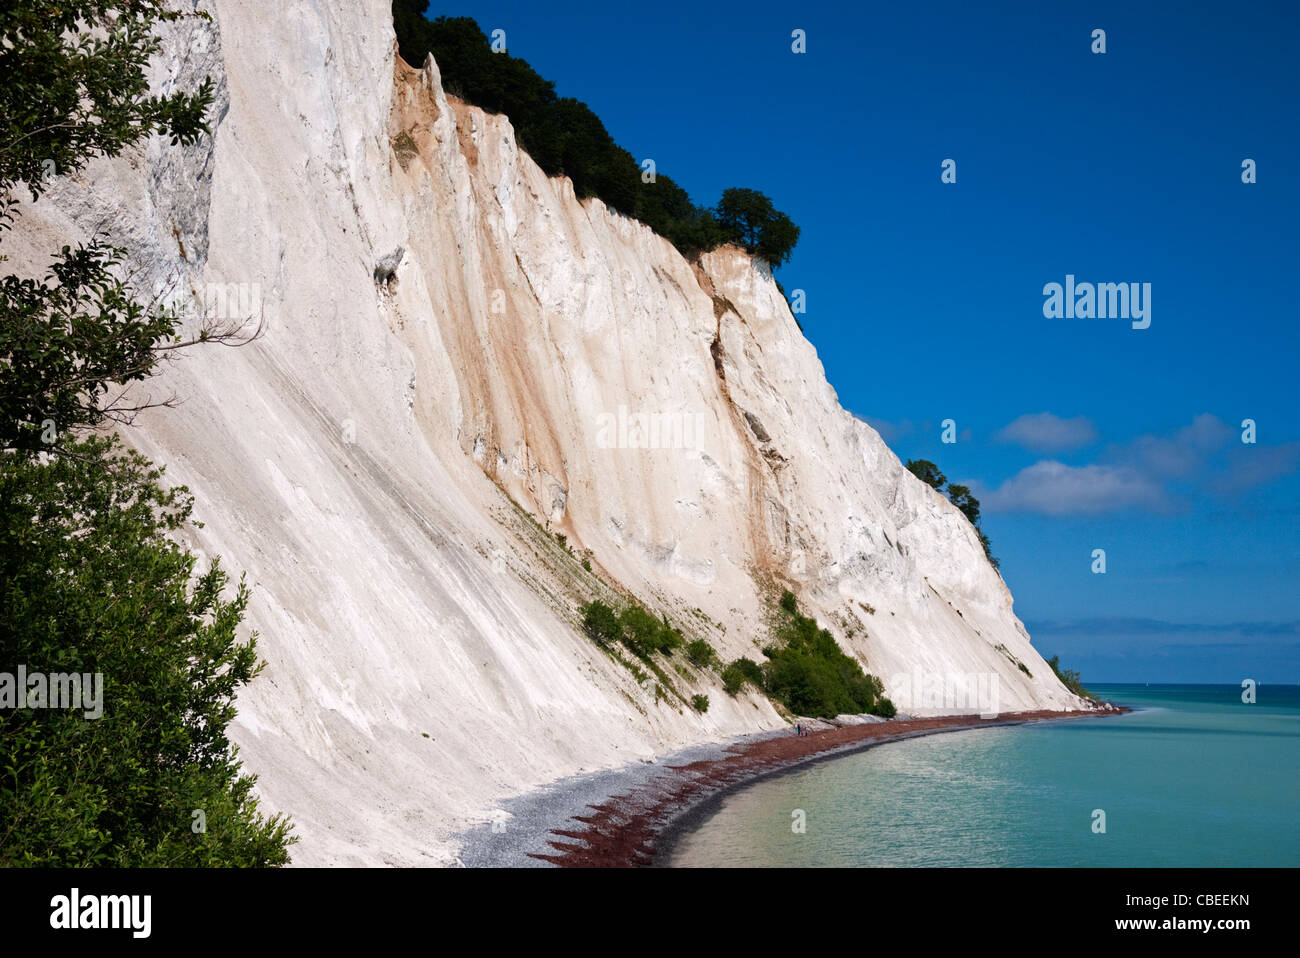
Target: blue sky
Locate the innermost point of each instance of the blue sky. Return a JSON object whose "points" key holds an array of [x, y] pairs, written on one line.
{"points": [[925, 299]]}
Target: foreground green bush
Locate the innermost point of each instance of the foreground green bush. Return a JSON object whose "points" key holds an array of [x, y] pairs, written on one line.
{"points": [[93, 585], [92, 582]]}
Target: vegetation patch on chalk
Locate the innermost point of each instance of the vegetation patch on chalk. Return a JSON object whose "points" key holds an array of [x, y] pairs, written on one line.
{"points": [[1070, 679], [807, 672]]}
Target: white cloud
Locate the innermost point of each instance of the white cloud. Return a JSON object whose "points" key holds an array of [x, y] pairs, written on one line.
{"points": [[1046, 432], [1182, 454], [1138, 474], [1055, 489], [1257, 465]]}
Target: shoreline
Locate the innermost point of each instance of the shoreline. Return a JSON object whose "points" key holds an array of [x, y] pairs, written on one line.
{"points": [[641, 824]]}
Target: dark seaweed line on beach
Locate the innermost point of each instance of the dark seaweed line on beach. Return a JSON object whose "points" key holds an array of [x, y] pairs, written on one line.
{"points": [[641, 828]]}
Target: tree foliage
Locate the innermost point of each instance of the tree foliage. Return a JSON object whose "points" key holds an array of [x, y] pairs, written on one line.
{"points": [[807, 671], [75, 342], [565, 137], [749, 216], [91, 581], [701, 654], [927, 472], [92, 584], [75, 86], [961, 497], [645, 635], [600, 622], [68, 342]]}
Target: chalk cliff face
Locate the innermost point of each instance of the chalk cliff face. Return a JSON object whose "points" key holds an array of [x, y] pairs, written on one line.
{"points": [[458, 358]]}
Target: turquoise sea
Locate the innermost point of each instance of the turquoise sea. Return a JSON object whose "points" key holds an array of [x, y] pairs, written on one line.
{"points": [[1193, 777]]}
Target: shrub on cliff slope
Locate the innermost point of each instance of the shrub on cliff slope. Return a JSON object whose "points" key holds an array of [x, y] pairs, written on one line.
{"points": [[600, 622], [645, 635], [636, 628], [1070, 679], [811, 675], [742, 670], [564, 137], [701, 654]]}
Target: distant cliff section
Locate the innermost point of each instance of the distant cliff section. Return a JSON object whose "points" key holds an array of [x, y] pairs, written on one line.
{"points": [[479, 403]]}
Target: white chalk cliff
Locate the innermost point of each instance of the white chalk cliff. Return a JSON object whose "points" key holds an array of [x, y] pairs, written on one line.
{"points": [[448, 330]]}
